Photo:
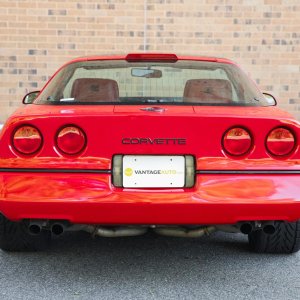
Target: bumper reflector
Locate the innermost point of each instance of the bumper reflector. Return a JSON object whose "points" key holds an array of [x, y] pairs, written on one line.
{"points": [[189, 171], [117, 178]]}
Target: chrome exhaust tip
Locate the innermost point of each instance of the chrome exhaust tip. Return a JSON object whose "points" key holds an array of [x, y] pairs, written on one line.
{"points": [[269, 229], [246, 228], [57, 228], [35, 229]]}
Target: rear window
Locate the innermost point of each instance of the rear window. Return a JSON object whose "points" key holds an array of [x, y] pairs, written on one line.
{"points": [[180, 83]]}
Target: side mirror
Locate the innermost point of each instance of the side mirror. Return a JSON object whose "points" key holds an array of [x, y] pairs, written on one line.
{"points": [[270, 99], [30, 97]]}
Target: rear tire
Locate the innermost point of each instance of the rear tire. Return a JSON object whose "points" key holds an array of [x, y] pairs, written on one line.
{"points": [[14, 236], [285, 239]]}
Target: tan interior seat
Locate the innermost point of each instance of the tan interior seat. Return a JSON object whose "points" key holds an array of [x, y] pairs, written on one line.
{"points": [[208, 91], [95, 90]]}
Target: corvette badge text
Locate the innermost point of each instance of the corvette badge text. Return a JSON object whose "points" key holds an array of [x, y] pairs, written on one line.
{"points": [[158, 141]]}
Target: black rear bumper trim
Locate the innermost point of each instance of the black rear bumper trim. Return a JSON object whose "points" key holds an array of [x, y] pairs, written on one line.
{"points": [[45, 170], [108, 171]]}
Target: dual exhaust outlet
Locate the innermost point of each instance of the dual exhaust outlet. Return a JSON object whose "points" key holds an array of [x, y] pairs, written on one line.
{"points": [[267, 227], [59, 227], [55, 228]]}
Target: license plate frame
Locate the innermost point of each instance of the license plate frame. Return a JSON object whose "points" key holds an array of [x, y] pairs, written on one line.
{"points": [[153, 171]]}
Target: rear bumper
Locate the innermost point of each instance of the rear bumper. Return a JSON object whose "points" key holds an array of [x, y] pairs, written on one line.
{"points": [[91, 199]]}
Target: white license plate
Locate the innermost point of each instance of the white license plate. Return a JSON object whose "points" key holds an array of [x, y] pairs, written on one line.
{"points": [[153, 171]]}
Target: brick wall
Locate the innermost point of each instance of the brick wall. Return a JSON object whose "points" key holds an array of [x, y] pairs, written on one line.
{"points": [[36, 37]]}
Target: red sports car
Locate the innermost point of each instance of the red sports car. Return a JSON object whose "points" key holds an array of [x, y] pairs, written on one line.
{"points": [[121, 145]]}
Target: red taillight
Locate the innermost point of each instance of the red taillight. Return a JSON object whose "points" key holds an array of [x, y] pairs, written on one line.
{"points": [[136, 57], [280, 142], [27, 140], [71, 140], [237, 141]]}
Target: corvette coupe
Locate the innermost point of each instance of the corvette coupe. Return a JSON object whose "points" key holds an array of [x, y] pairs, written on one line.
{"points": [[121, 145]]}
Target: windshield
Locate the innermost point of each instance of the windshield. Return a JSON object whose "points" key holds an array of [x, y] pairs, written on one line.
{"points": [[184, 82]]}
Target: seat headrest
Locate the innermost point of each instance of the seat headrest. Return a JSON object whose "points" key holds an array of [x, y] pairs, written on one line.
{"points": [[208, 90], [95, 90]]}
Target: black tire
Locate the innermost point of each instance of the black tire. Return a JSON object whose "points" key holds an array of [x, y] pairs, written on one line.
{"points": [[14, 236], [285, 239]]}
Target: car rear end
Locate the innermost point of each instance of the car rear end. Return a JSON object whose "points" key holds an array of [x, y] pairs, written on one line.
{"points": [[116, 146]]}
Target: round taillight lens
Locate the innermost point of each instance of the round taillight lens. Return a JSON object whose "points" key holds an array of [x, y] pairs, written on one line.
{"points": [[71, 140], [27, 140], [237, 141], [280, 142]]}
